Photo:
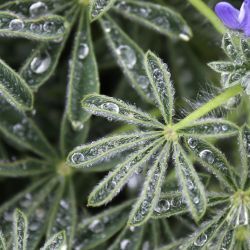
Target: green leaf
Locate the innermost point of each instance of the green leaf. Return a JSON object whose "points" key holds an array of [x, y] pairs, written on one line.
{"points": [[23, 168], [216, 128], [20, 230], [49, 27], [115, 109], [245, 48], [83, 75], [98, 8], [111, 185], [21, 130], [212, 159], [157, 17], [14, 88], [128, 55], [159, 76], [71, 137], [226, 239], [107, 147], [130, 238], [151, 190], [229, 46], [2, 242], [43, 61], [95, 230], [192, 188], [64, 214], [222, 67], [56, 242], [244, 148]]}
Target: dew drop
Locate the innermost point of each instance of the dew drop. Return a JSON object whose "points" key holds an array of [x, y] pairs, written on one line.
{"points": [[38, 9], [106, 25], [201, 240], [110, 107], [196, 200], [77, 158], [162, 206], [143, 81], [40, 64], [192, 143], [77, 125], [185, 37], [83, 51], [96, 226], [128, 55], [16, 24], [207, 156], [35, 27], [124, 245], [49, 27]]}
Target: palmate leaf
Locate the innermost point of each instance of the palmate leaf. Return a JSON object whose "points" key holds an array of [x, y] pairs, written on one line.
{"points": [[129, 238], [95, 230], [161, 85], [43, 61], [83, 75], [244, 148], [98, 8], [114, 109], [216, 128], [128, 55], [24, 167], [192, 188], [89, 154], [22, 131], [20, 230], [157, 17], [49, 27], [212, 159], [151, 190], [14, 88], [110, 186], [56, 242]]}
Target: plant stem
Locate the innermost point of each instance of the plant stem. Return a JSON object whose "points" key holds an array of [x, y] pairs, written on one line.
{"points": [[209, 14], [209, 106]]}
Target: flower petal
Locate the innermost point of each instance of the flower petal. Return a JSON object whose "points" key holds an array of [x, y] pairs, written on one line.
{"points": [[244, 17], [228, 15]]}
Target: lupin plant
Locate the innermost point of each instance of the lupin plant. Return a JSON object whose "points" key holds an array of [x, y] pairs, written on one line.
{"points": [[176, 176]]}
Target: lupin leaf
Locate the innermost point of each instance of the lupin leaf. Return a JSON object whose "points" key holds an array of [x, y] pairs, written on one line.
{"points": [[229, 46], [42, 62], [98, 8], [213, 159], [245, 48], [83, 75], [21, 130], [128, 55], [216, 128], [244, 148], [25, 167], [56, 242], [157, 17], [226, 239], [161, 85], [192, 188], [20, 230], [130, 238], [14, 88], [110, 186], [114, 109], [222, 67], [91, 230], [2, 242], [49, 27], [100, 150], [151, 190]]}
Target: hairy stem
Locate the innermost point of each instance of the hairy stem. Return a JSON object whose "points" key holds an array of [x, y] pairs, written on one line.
{"points": [[209, 14], [209, 106]]}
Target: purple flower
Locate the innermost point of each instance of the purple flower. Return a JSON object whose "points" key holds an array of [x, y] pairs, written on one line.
{"points": [[233, 18]]}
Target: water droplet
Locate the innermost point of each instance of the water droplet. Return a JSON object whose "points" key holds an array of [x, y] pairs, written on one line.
{"points": [[207, 156], [16, 24], [110, 107], [128, 55], [40, 64], [201, 240], [190, 185], [185, 37], [49, 27], [224, 128], [162, 206], [124, 245], [35, 27], [96, 226], [83, 51], [143, 81], [196, 200], [77, 158], [38, 9], [106, 25], [192, 143], [77, 125]]}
